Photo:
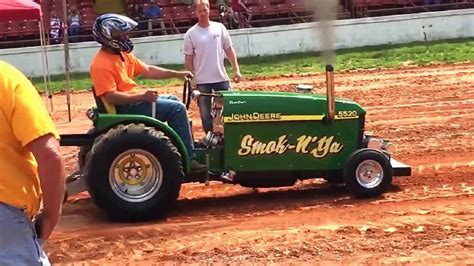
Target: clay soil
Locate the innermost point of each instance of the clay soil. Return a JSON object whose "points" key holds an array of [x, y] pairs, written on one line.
{"points": [[427, 112]]}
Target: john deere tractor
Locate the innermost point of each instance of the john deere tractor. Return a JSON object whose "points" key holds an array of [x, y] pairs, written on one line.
{"points": [[133, 166]]}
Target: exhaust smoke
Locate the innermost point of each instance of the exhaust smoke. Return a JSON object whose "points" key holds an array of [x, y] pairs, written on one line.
{"points": [[325, 12]]}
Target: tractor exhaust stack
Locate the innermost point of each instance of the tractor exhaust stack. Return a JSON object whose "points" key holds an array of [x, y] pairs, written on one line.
{"points": [[330, 92]]}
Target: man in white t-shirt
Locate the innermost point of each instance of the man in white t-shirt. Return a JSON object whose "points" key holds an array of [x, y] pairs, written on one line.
{"points": [[205, 46]]}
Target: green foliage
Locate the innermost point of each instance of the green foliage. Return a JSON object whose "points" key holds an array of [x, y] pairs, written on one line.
{"points": [[385, 56]]}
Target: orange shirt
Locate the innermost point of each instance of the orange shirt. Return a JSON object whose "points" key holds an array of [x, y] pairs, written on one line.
{"points": [[109, 73], [23, 118]]}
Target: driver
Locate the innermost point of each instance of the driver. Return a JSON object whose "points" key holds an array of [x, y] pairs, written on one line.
{"points": [[113, 69]]}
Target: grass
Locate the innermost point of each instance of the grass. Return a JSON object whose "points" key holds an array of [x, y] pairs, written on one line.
{"points": [[385, 56]]}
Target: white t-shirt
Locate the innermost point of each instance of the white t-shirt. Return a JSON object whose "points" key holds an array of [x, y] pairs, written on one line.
{"points": [[207, 45]]}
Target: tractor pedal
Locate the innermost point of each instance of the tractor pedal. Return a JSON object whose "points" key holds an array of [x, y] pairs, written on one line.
{"points": [[76, 183]]}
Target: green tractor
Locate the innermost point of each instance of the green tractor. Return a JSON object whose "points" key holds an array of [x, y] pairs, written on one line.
{"points": [[133, 166]]}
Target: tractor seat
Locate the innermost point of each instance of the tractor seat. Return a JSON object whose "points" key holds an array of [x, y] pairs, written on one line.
{"points": [[102, 105]]}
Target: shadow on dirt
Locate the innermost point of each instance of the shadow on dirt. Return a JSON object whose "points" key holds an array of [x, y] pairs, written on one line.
{"points": [[263, 201], [247, 202]]}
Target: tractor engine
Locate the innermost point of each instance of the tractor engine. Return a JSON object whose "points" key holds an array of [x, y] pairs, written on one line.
{"points": [[215, 138]]}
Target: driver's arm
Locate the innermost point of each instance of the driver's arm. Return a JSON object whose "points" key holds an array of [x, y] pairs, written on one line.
{"points": [[156, 72], [120, 98]]}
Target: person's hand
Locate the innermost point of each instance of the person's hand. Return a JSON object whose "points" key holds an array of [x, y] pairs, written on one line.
{"points": [[237, 76], [149, 96], [184, 74], [45, 224]]}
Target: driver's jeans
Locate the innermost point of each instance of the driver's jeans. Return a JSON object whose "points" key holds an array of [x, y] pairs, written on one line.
{"points": [[168, 109]]}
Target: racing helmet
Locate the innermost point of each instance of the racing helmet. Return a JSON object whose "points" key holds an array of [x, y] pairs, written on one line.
{"points": [[111, 30]]}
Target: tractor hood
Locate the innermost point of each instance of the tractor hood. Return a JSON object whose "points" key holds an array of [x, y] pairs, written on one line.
{"points": [[251, 105]]}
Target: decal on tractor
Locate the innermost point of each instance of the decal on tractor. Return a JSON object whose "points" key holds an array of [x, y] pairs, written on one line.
{"points": [[269, 117], [254, 117], [237, 102], [347, 115], [318, 147]]}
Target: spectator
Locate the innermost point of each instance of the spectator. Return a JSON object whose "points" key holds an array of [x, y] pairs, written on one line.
{"points": [[431, 2], [205, 45], [240, 13], [55, 28], [74, 21], [223, 2], [136, 13], [153, 14], [33, 171], [427, 3], [225, 15]]}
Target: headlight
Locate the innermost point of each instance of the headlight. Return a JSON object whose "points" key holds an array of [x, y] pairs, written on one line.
{"points": [[374, 144], [380, 144], [389, 147]]}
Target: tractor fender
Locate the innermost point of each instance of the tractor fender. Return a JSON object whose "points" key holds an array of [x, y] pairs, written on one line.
{"points": [[105, 122]]}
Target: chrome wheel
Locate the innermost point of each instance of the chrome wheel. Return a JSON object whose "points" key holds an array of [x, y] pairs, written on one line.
{"points": [[135, 175], [369, 173]]}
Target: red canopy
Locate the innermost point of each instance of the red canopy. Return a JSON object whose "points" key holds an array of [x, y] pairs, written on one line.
{"points": [[19, 10]]}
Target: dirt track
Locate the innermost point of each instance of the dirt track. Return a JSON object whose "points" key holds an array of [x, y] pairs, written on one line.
{"points": [[428, 112]]}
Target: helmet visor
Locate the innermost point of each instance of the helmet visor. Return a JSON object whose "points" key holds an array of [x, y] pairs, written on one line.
{"points": [[119, 35]]}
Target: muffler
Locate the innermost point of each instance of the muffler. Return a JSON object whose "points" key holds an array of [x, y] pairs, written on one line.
{"points": [[330, 92]]}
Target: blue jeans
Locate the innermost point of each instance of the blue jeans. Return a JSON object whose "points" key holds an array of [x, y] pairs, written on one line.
{"points": [[205, 102], [19, 244], [168, 109]]}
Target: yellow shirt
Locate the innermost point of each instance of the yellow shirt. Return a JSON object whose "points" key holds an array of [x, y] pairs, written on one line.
{"points": [[23, 118]]}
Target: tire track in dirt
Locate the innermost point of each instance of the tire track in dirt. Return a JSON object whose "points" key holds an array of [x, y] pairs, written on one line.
{"points": [[321, 233]]}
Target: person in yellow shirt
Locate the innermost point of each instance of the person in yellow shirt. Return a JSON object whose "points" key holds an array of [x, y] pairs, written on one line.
{"points": [[112, 72], [32, 171]]}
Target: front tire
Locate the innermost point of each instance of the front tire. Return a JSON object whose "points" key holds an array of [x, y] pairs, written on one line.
{"points": [[368, 173], [134, 173]]}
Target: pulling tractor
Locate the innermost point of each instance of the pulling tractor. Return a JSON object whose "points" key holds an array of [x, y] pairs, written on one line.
{"points": [[133, 166]]}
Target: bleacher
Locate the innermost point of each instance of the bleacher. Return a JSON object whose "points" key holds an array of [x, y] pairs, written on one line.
{"points": [[27, 33], [178, 15], [370, 8]]}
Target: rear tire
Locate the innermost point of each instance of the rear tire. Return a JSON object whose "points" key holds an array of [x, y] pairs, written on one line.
{"points": [[368, 173], [134, 173]]}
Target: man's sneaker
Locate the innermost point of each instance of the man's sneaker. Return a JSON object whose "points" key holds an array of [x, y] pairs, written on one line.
{"points": [[199, 144], [197, 167]]}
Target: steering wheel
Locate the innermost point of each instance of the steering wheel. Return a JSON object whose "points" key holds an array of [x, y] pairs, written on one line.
{"points": [[187, 90]]}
